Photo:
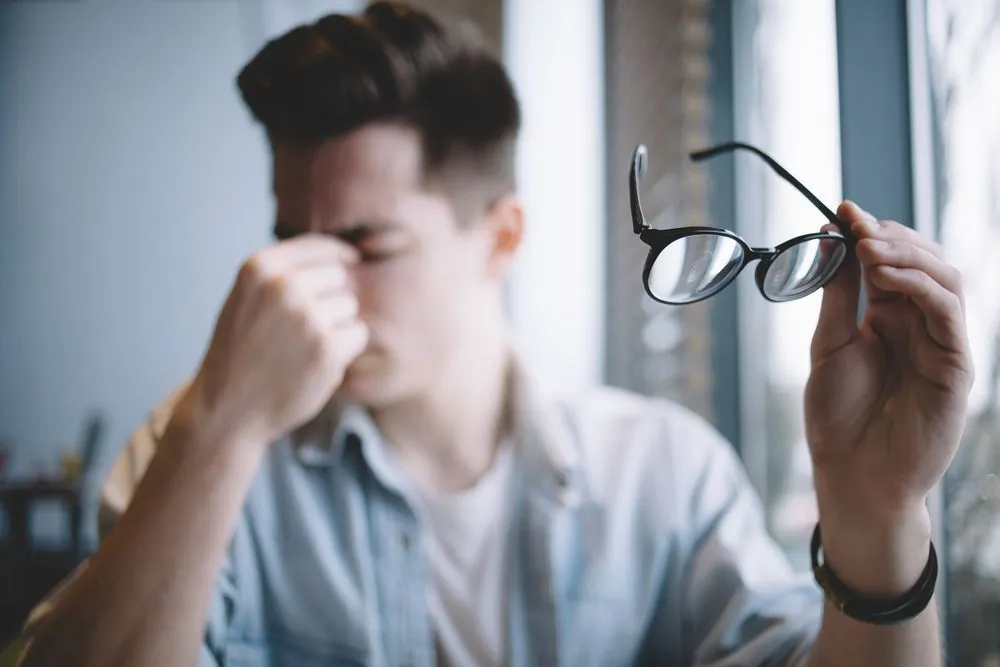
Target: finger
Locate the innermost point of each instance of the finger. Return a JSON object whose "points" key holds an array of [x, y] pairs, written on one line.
{"points": [[838, 315], [350, 340], [864, 225], [322, 280], [902, 254], [853, 215], [889, 230], [302, 251], [336, 310], [903, 323], [942, 308]]}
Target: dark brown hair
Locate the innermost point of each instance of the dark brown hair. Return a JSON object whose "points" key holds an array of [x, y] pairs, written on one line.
{"points": [[393, 63]]}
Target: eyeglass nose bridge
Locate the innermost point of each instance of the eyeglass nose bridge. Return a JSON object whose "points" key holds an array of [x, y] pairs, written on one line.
{"points": [[764, 255], [764, 258]]}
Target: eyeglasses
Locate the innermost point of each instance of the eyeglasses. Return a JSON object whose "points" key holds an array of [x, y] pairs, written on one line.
{"points": [[690, 264]]}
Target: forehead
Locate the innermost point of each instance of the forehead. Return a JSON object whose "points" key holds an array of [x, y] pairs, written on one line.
{"points": [[373, 167]]}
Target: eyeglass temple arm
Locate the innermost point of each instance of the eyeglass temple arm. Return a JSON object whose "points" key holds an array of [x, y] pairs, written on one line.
{"points": [[640, 159], [698, 156]]}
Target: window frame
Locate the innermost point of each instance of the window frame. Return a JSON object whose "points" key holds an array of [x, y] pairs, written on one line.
{"points": [[888, 164]]}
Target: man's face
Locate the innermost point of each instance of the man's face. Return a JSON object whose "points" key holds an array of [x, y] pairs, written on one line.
{"points": [[424, 278]]}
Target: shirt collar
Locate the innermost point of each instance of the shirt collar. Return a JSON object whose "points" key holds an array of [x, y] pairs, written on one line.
{"points": [[340, 426]]}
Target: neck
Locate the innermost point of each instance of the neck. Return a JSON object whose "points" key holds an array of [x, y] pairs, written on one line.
{"points": [[446, 437]]}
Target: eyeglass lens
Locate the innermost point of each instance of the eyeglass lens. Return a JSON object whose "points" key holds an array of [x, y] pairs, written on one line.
{"points": [[802, 269], [695, 267]]}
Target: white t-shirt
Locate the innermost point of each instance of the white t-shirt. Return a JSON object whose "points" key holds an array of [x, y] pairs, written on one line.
{"points": [[465, 541]]}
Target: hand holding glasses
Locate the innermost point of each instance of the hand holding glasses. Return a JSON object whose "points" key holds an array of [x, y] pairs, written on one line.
{"points": [[690, 264]]}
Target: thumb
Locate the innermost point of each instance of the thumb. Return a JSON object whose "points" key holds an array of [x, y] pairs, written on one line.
{"points": [[838, 315]]}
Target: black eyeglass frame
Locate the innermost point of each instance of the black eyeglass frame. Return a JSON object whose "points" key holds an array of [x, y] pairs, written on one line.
{"points": [[659, 239]]}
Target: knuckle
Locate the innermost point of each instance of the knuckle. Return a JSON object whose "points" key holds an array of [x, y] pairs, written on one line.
{"points": [[278, 288], [351, 306], [311, 327], [870, 246], [253, 270], [955, 303], [957, 279], [307, 316], [932, 250], [331, 351], [919, 256], [953, 310]]}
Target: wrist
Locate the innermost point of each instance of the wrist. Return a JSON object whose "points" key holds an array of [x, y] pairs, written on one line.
{"points": [[197, 425], [877, 554], [196, 430]]}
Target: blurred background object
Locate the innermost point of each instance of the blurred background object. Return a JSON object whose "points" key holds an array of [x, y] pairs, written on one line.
{"points": [[132, 184], [49, 523], [963, 58]]}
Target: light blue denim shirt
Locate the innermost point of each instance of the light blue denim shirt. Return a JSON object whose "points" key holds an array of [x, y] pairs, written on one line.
{"points": [[635, 539]]}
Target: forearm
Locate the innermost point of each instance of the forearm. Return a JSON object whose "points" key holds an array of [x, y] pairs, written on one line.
{"points": [[142, 599], [878, 559]]}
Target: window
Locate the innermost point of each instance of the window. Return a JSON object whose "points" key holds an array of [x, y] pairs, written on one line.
{"points": [[786, 82], [788, 106], [963, 48]]}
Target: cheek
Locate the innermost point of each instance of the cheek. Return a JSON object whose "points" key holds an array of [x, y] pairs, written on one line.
{"points": [[381, 293], [403, 293]]}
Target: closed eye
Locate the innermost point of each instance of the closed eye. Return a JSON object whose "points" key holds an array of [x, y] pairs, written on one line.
{"points": [[375, 243]]}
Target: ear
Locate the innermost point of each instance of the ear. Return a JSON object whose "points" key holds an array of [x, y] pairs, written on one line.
{"points": [[505, 221]]}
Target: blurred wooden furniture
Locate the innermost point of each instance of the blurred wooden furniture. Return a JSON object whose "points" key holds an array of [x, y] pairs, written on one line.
{"points": [[18, 498], [29, 570], [21, 568]]}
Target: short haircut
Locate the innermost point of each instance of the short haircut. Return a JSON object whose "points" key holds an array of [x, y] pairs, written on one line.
{"points": [[393, 63]]}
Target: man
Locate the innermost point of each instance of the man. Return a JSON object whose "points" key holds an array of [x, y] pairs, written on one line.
{"points": [[361, 472]]}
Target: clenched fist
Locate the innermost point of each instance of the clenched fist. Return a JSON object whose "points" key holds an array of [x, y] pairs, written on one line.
{"points": [[282, 343]]}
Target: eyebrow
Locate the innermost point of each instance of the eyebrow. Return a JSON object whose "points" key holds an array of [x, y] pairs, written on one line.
{"points": [[353, 233]]}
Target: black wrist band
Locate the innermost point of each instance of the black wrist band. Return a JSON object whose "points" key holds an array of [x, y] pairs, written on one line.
{"points": [[877, 611]]}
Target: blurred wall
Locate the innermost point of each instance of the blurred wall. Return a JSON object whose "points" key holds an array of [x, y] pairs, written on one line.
{"points": [[132, 183]]}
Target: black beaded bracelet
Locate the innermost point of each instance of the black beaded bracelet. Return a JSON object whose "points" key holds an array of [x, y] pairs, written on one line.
{"points": [[877, 611]]}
